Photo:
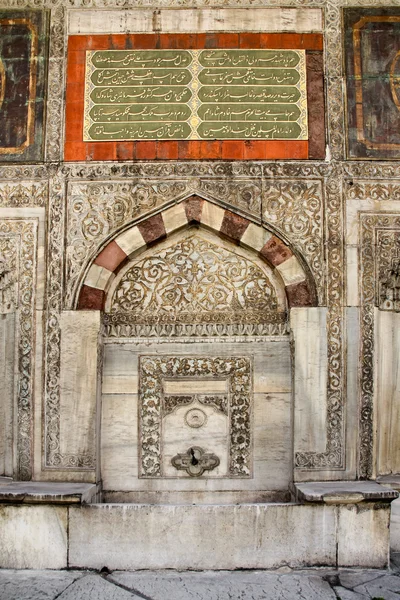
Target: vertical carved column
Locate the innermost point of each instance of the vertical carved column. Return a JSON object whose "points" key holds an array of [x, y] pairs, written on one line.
{"points": [[53, 314], [56, 77]]}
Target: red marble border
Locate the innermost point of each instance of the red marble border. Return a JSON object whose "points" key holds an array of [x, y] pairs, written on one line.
{"points": [[77, 150]]}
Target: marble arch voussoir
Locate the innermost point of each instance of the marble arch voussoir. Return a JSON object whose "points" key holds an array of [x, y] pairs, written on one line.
{"points": [[300, 289]]}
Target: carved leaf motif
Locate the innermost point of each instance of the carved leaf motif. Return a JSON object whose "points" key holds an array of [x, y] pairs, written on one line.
{"points": [[295, 207], [192, 280]]}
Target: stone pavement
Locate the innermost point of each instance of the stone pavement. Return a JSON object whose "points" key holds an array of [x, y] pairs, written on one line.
{"points": [[285, 584]]}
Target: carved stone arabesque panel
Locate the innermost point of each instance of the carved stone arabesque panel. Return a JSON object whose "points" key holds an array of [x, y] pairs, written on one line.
{"points": [[18, 247], [375, 229], [154, 369], [9, 276], [96, 211], [334, 456], [23, 194], [387, 292], [195, 281], [295, 207]]}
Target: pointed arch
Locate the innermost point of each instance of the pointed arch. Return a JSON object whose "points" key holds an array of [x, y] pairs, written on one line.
{"points": [[299, 284]]}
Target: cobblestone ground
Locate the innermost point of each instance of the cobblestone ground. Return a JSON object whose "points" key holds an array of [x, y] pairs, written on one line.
{"points": [[285, 584]]}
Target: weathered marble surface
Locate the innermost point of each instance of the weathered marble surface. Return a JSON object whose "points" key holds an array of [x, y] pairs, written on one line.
{"points": [[201, 537], [32, 492], [199, 20], [321, 584], [33, 537]]}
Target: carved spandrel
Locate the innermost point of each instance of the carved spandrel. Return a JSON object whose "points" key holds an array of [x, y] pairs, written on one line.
{"points": [[388, 270]]}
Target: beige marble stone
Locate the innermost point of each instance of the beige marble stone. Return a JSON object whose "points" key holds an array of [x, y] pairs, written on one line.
{"points": [[395, 526], [271, 419], [291, 271], [387, 412], [7, 367], [363, 535], [194, 20], [255, 237], [119, 384], [109, 21], [201, 537], [353, 294], [241, 19], [33, 537], [130, 240], [174, 218], [206, 386], [212, 216], [98, 277], [79, 382], [310, 378]]}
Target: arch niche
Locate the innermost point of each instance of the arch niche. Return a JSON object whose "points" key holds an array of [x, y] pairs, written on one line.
{"points": [[197, 381]]}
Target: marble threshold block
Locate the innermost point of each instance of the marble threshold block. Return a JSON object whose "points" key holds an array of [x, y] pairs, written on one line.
{"points": [[52, 526]]}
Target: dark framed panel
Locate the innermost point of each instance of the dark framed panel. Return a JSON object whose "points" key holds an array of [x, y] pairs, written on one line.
{"points": [[23, 65], [372, 55]]}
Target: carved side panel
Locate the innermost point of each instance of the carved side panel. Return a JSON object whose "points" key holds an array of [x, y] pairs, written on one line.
{"points": [[387, 293], [23, 194], [379, 248], [18, 247]]}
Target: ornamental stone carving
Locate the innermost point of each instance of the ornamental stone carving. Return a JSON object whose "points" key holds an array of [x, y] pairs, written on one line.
{"points": [[295, 207], [18, 247], [195, 281], [97, 210], [8, 274], [153, 406], [388, 270]]}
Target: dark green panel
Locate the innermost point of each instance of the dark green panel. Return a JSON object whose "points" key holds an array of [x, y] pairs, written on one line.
{"points": [[249, 93], [154, 94], [140, 131], [248, 112], [140, 112], [225, 76], [145, 59], [249, 58], [195, 94], [242, 130], [141, 77]]}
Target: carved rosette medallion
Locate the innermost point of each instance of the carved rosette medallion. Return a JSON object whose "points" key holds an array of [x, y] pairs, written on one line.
{"points": [[153, 406]]}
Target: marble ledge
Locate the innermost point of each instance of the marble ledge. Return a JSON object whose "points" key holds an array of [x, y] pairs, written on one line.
{"points": [[37, 492], [344, 492]]}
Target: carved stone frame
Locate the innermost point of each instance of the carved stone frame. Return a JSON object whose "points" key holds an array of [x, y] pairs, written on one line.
{"points": [[152, 371]]}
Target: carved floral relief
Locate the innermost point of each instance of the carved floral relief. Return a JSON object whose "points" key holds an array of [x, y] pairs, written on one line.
{"points": [[153, 370]]}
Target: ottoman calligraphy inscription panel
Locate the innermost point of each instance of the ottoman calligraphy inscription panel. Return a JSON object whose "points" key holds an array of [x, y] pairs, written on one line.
{"points": [[195, 94]]}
